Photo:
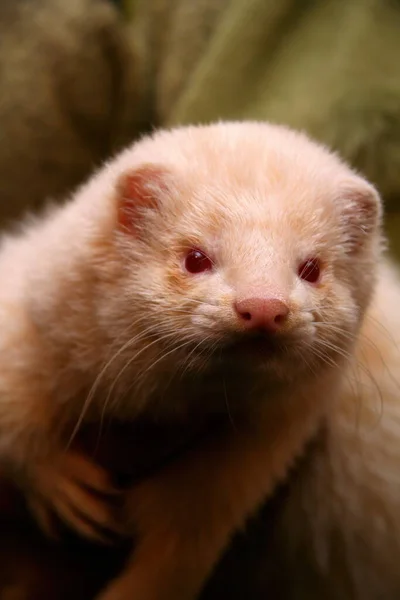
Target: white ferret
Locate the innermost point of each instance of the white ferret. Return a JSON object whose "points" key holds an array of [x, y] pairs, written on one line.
{"points": [[236, 268]]}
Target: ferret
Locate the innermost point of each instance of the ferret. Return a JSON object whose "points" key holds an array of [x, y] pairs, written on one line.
{"points": [[228, 270]]}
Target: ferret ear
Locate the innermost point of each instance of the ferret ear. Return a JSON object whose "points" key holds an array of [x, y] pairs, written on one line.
{"points": [[362, 212], [138, 191]]}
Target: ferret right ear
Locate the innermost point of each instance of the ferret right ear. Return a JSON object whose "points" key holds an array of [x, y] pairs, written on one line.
{"points": [[139, 191], [362, 212]]}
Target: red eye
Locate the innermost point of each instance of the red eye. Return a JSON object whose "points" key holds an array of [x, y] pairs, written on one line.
{"points": [[310, 270], [197, 262]]}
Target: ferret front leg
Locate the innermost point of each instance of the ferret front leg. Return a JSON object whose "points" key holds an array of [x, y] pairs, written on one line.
{"points": [[56, 482], [185, 517]]}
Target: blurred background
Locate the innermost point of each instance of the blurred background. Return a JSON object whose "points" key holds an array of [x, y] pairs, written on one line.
{"points": [[79, 79]]}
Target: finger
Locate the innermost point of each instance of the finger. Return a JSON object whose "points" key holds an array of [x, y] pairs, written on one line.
{"points": [[88, 474], [43, 517], [81, 525], [96, 510]]}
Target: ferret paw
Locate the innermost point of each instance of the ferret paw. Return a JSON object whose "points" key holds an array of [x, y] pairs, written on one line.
{"points": [[79, 493]]}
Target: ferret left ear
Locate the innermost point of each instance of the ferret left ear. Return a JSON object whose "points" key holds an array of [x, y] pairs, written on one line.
{"points": [[362, 212], [140, 191]]}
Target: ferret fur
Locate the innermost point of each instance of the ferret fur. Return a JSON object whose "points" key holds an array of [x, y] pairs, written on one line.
{"points": [[99, 318]]}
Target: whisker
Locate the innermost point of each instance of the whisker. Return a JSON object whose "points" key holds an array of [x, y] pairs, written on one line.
{"points": [[164, 355], [354, 364], [133, 358], [382, 327], [94, 387], [336, 349], [228, 410], [322, 356], [185, 365], [161, 357]]}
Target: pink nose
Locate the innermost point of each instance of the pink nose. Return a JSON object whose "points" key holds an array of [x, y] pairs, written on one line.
{"points": [[262, 313]]}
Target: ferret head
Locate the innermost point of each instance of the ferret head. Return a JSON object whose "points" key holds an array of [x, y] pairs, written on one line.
{"points": [[243, 244]]}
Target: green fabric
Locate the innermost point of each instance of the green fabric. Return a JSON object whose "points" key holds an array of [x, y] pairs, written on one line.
{"points": [[68, 96], [331, 67]]}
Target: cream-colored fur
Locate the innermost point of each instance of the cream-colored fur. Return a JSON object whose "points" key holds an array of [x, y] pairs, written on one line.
{"points": [[99, 317]]}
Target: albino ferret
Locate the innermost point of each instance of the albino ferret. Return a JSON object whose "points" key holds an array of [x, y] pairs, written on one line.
{"points": [[229, 269]]}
